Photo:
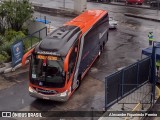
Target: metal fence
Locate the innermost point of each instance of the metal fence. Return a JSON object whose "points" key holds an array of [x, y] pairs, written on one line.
{"points": [[141, 95], [21, 46], [122, 83], [32, 39]]}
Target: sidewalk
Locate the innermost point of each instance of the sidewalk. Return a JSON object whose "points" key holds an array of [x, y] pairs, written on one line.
{"points": [[156, 107]]}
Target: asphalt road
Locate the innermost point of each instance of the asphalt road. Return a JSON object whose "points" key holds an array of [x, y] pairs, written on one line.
{"points": [[123, 48]]}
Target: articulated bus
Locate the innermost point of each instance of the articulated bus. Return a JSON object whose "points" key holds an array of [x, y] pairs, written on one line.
{"points": [[61, 60]]}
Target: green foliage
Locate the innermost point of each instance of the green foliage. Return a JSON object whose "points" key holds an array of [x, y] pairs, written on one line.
{"points": [[12, 36], [28, 43], [6, 48], [13, 15], [5, 52], [25, 30], [16, 13], [3, 58], [2, 19], [9, 38], [1, 40]]}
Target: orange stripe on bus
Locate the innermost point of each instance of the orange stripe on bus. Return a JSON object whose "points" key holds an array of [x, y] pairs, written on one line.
{"points": [[87, 19]]}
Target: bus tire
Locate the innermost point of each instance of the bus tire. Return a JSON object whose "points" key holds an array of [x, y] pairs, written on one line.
{"points": [[78, 82], [107, 37], [103, 46]]}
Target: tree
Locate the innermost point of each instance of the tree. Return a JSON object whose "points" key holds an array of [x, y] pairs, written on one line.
{"points": [[17, 12], [2, 19]]}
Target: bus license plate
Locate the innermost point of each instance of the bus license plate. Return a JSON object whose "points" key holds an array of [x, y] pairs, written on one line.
{"points": [[46, 98]]}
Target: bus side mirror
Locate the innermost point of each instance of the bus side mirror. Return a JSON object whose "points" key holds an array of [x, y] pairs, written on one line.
{"points": [[25, 56]]}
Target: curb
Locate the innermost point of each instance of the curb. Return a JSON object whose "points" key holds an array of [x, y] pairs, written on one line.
{"points": [[129, 5], [6, 66], [141, 16], [8, 69]]}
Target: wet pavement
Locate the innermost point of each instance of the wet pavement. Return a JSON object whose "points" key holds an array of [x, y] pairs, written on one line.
{"points": [[123, 48]]}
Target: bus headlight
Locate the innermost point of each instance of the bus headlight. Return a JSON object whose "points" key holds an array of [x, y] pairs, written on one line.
{"points": [[31, 90], [64, 93]]}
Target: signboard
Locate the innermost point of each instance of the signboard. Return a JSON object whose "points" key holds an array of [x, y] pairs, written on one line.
{"points": [[47, 57], [17, 53]]}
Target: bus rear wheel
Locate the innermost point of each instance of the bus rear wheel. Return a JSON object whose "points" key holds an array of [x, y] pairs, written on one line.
{"points": [[103, 46], [78, 82]]}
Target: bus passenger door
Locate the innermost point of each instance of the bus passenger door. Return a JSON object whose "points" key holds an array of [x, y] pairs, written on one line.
{"points": [[72, 62]]}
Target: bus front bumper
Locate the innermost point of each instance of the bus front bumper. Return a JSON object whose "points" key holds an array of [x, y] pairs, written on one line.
{"points": [[56, 97]]}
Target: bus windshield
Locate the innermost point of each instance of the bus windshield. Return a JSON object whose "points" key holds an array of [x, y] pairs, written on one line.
{"points": [[47, 73]]}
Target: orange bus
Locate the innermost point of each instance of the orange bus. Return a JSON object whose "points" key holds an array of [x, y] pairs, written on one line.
{"points": [[61, 60]]}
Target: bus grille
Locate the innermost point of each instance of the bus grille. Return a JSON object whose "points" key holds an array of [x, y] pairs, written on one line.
{"points": [[46, 92]]}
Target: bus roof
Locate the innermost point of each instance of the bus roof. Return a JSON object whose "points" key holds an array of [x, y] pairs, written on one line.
{"points": [[61, 40], [87, 19]]}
